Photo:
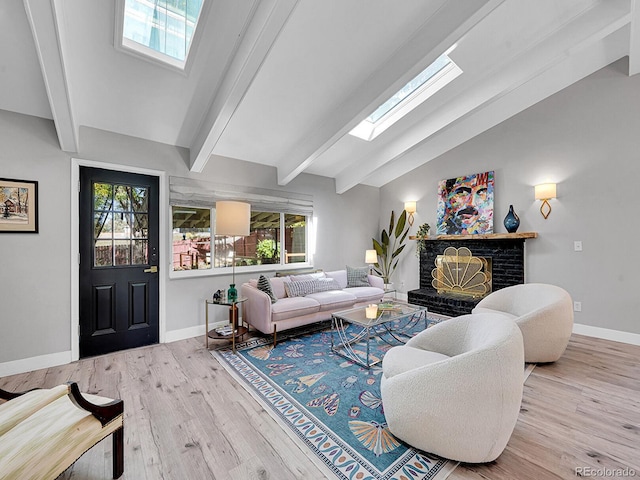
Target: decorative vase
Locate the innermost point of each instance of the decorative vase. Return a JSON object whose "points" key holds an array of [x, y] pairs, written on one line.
{"points": [[511, 221], [232, 293]]}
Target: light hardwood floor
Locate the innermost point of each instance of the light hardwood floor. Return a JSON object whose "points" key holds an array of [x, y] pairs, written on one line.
{"points": [[186, 418]]}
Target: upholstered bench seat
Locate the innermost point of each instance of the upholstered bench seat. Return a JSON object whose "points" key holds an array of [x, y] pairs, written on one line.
{"points": [[43, 432]]}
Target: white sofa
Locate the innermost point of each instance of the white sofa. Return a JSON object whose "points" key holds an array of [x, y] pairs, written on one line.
{"points": [[455, 389], [294, 311], [543, 312]]}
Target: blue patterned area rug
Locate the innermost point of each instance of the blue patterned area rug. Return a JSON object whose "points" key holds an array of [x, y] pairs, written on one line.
{"points": [[330, 405]]}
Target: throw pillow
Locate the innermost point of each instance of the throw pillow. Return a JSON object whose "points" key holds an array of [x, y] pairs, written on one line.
{"points": [[326, 284], [265, 285], [300, 289], [357, 277]]}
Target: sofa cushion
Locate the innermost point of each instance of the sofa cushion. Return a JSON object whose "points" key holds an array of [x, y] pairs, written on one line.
{"points": [[357, 277], [339, 276], [365, 294], [293, 307], [402, 359], [277, 285], [333, 300], [265, 285]]}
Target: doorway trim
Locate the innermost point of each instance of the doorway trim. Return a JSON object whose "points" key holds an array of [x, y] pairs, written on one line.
{"points": [[163, 212]]}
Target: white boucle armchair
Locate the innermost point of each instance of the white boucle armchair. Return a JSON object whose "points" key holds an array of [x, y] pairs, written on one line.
{"points": [[543, 312], [455, 389]]}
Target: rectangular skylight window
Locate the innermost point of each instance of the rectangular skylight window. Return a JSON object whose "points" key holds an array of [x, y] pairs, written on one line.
{"points": [[442, 71], [162, 29]]}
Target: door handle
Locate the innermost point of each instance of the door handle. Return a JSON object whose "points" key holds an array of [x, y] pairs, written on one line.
{"points": [[153, 269]]}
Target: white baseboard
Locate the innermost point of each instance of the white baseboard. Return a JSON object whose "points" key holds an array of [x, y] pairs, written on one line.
{"points": [[34, 363], [607, 334], [190, 332]]}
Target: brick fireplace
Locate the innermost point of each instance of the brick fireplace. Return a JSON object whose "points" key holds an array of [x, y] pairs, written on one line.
{"points": [[506, 251]]}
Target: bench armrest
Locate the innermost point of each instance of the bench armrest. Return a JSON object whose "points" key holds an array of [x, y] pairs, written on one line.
{"points": [[105, 413]]}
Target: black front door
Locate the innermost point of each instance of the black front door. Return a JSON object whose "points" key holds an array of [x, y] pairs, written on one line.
{"points": [[119, 301]]}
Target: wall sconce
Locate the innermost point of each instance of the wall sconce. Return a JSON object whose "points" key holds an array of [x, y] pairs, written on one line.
{"points": [[545, 192], [371, 257], [410, 208]]}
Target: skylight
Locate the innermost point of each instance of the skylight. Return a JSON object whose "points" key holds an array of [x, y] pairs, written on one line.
{"points": [[442, 71], [161, 29]]}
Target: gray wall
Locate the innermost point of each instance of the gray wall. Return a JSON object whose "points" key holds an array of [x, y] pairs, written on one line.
{"points": [[585, 138], [35, 280]]}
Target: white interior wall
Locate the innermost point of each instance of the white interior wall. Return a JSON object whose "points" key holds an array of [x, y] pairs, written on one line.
{"points": [[35, 285], [584, 138]]}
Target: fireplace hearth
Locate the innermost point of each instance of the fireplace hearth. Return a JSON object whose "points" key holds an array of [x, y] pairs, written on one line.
{"points": [[505, 251]]}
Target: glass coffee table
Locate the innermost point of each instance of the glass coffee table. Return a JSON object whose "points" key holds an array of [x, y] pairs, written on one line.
{"points": [[389, 321]]}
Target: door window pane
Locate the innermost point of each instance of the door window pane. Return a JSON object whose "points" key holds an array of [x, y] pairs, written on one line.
{"points": [[140, 249], [123, 252], [102, 196], [122, 196], [191, 238], [140, 199], [103, 253]]}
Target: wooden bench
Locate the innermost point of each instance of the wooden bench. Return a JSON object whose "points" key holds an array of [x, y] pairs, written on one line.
{"points": [[44, 431]]}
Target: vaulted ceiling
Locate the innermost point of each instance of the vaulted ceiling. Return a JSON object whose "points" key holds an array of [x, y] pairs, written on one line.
{"points": [[282, 82]]}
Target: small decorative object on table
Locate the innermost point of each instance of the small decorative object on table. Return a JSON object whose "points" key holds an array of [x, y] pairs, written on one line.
{"points": [[218, 296], [232, 293], [511, 221], [421, 235]]}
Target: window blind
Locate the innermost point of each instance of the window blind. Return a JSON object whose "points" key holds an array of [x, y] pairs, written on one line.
{"points": [[200, 193]]}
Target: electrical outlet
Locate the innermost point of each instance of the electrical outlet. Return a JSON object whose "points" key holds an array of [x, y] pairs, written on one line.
{"points": [[577, 306], [577, 245]]}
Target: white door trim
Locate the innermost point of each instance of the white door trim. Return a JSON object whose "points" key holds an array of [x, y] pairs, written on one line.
{"points": [[76, 163]]}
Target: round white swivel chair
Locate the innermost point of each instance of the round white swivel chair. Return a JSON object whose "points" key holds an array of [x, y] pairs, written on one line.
{"points": [[455, 389], [543, 312]]}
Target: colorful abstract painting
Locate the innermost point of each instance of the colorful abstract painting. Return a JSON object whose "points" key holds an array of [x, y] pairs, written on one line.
{"points": [[465, 205]]}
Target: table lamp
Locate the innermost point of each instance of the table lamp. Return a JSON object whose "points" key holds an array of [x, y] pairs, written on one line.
{"points": [[233, 219], [371, 257]]}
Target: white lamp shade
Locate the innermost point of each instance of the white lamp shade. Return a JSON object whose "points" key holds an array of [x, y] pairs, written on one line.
{"points": [[371, 256], [233, 218], [545, 191], [410, 207]]}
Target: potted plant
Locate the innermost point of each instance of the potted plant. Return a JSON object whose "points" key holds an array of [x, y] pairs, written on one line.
{"points": [[421, 235], [390, 246]]}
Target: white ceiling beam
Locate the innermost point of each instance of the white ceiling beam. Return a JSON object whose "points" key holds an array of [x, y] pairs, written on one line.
{"points": [[46, 28], [267, 21], [549, 82], [594, 25], [409, 58], [634, 41]]}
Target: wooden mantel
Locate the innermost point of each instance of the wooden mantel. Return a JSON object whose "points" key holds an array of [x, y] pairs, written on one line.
{"points": [[480, 236]]}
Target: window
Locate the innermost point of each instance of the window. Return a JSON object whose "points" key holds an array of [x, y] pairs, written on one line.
{"points": [[275, 239], [191, 238], [160, 29], [437, 75], [120, 225], [263, 246]]}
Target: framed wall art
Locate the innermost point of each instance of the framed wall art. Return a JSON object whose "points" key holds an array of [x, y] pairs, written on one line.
{"points": [[18, 206], [465, 205]]}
